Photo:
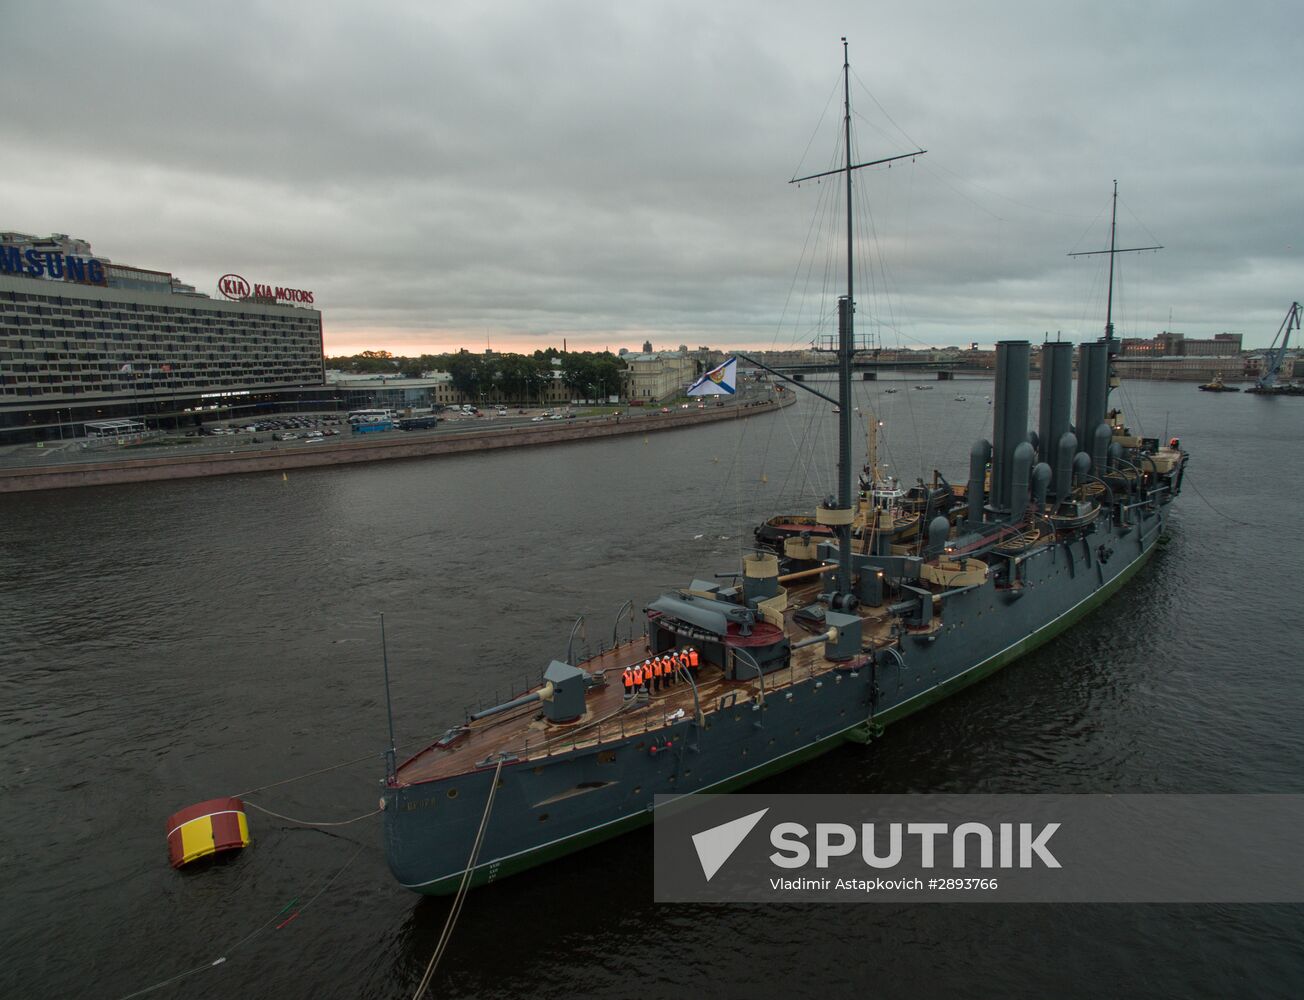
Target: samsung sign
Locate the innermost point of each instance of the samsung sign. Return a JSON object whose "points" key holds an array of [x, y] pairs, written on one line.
{"points": [[51, 264], [237, 289]]}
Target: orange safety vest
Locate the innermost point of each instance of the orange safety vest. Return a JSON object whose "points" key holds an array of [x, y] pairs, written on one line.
{"points": [[627, 678], [683, 659], [638, 676], [692, 657], [658, 668]]}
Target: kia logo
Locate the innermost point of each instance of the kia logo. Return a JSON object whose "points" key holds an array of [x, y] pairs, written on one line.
{"points": [[233, 286]]}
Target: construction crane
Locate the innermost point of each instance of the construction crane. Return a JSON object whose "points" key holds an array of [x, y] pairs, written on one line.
{"points": [[1273, 359]]}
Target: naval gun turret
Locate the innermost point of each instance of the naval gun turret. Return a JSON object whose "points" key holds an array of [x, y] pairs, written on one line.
{"points": [[562, 694]]}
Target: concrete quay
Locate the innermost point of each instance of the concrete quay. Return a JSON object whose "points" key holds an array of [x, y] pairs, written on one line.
{"points": [[123, 468]]}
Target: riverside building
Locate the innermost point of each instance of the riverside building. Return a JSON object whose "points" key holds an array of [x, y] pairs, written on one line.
{"points": [[83, 339], [654, 376]]}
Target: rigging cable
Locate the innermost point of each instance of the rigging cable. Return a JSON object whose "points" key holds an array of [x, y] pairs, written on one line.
{"points": [[453, 914]]}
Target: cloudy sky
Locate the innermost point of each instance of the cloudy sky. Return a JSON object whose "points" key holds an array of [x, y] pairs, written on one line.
{"points": [[514, 173]]}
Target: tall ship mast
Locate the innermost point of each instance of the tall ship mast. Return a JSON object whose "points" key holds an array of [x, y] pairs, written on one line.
{"points": [[1111, 343], [824, 634]]}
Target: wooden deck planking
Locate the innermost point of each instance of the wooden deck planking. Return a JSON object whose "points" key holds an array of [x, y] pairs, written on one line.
{"points": [[609, 718]]}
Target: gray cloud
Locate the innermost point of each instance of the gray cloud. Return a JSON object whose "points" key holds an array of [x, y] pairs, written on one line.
{"points": [[606, 172]]}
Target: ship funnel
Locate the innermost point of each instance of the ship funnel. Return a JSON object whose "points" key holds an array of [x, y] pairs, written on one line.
{"points": [[1020, 472], [1040, 483], [1100, 447], [1081, 466], [1056, 399], [1068, 447], [1093, 390], [1009, 419], [938, 528], [1115, 456], [760, 576], [979, 455]]}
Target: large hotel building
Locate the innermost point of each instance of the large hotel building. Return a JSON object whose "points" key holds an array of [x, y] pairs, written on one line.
{"points": [[84, 340]]}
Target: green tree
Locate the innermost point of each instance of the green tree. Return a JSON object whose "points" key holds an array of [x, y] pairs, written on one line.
{"points": [[468, 375], [577, 373], [609, 375]]}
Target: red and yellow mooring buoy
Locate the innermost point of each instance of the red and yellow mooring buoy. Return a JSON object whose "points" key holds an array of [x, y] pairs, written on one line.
{"points": [[207, 828]]}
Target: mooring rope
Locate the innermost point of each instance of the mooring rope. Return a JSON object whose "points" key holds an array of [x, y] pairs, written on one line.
{"points": [[447, 934], [1244, 524], [310, 774], [274, 919], [305, 822], [373, 755]]}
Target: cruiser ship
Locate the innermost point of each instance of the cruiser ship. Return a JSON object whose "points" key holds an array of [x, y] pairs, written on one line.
{"points": [[824, 636]]}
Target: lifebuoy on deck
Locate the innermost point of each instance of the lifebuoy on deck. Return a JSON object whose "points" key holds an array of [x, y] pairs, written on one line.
{"points": [[207, 828]]}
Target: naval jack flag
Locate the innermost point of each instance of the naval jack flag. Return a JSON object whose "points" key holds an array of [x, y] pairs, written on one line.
{"points": [[723, 378]]}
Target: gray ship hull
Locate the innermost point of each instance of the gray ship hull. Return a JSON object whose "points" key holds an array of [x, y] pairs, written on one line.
{"points": [[547, 807]]}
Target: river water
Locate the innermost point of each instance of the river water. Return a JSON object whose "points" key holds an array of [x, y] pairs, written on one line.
{"points": [[165, 643]]}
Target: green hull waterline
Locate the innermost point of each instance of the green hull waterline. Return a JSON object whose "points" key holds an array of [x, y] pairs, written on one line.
{"points": [[860, 733]]}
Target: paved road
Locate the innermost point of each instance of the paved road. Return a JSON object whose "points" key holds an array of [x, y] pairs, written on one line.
{"points": [[52, 453]]}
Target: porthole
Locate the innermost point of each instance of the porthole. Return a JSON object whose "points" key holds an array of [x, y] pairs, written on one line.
{"points": [[452, 793]]}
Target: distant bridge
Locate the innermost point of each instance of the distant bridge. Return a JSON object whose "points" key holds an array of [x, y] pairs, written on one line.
{"points": [[870, 368]]}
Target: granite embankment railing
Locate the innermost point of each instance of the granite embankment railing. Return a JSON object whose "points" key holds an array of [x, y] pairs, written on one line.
{"points": [[345, 452]]}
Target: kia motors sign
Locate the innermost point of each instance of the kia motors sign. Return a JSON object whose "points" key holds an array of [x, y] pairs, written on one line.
{"points": [[237, 289], [234, 287]]}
